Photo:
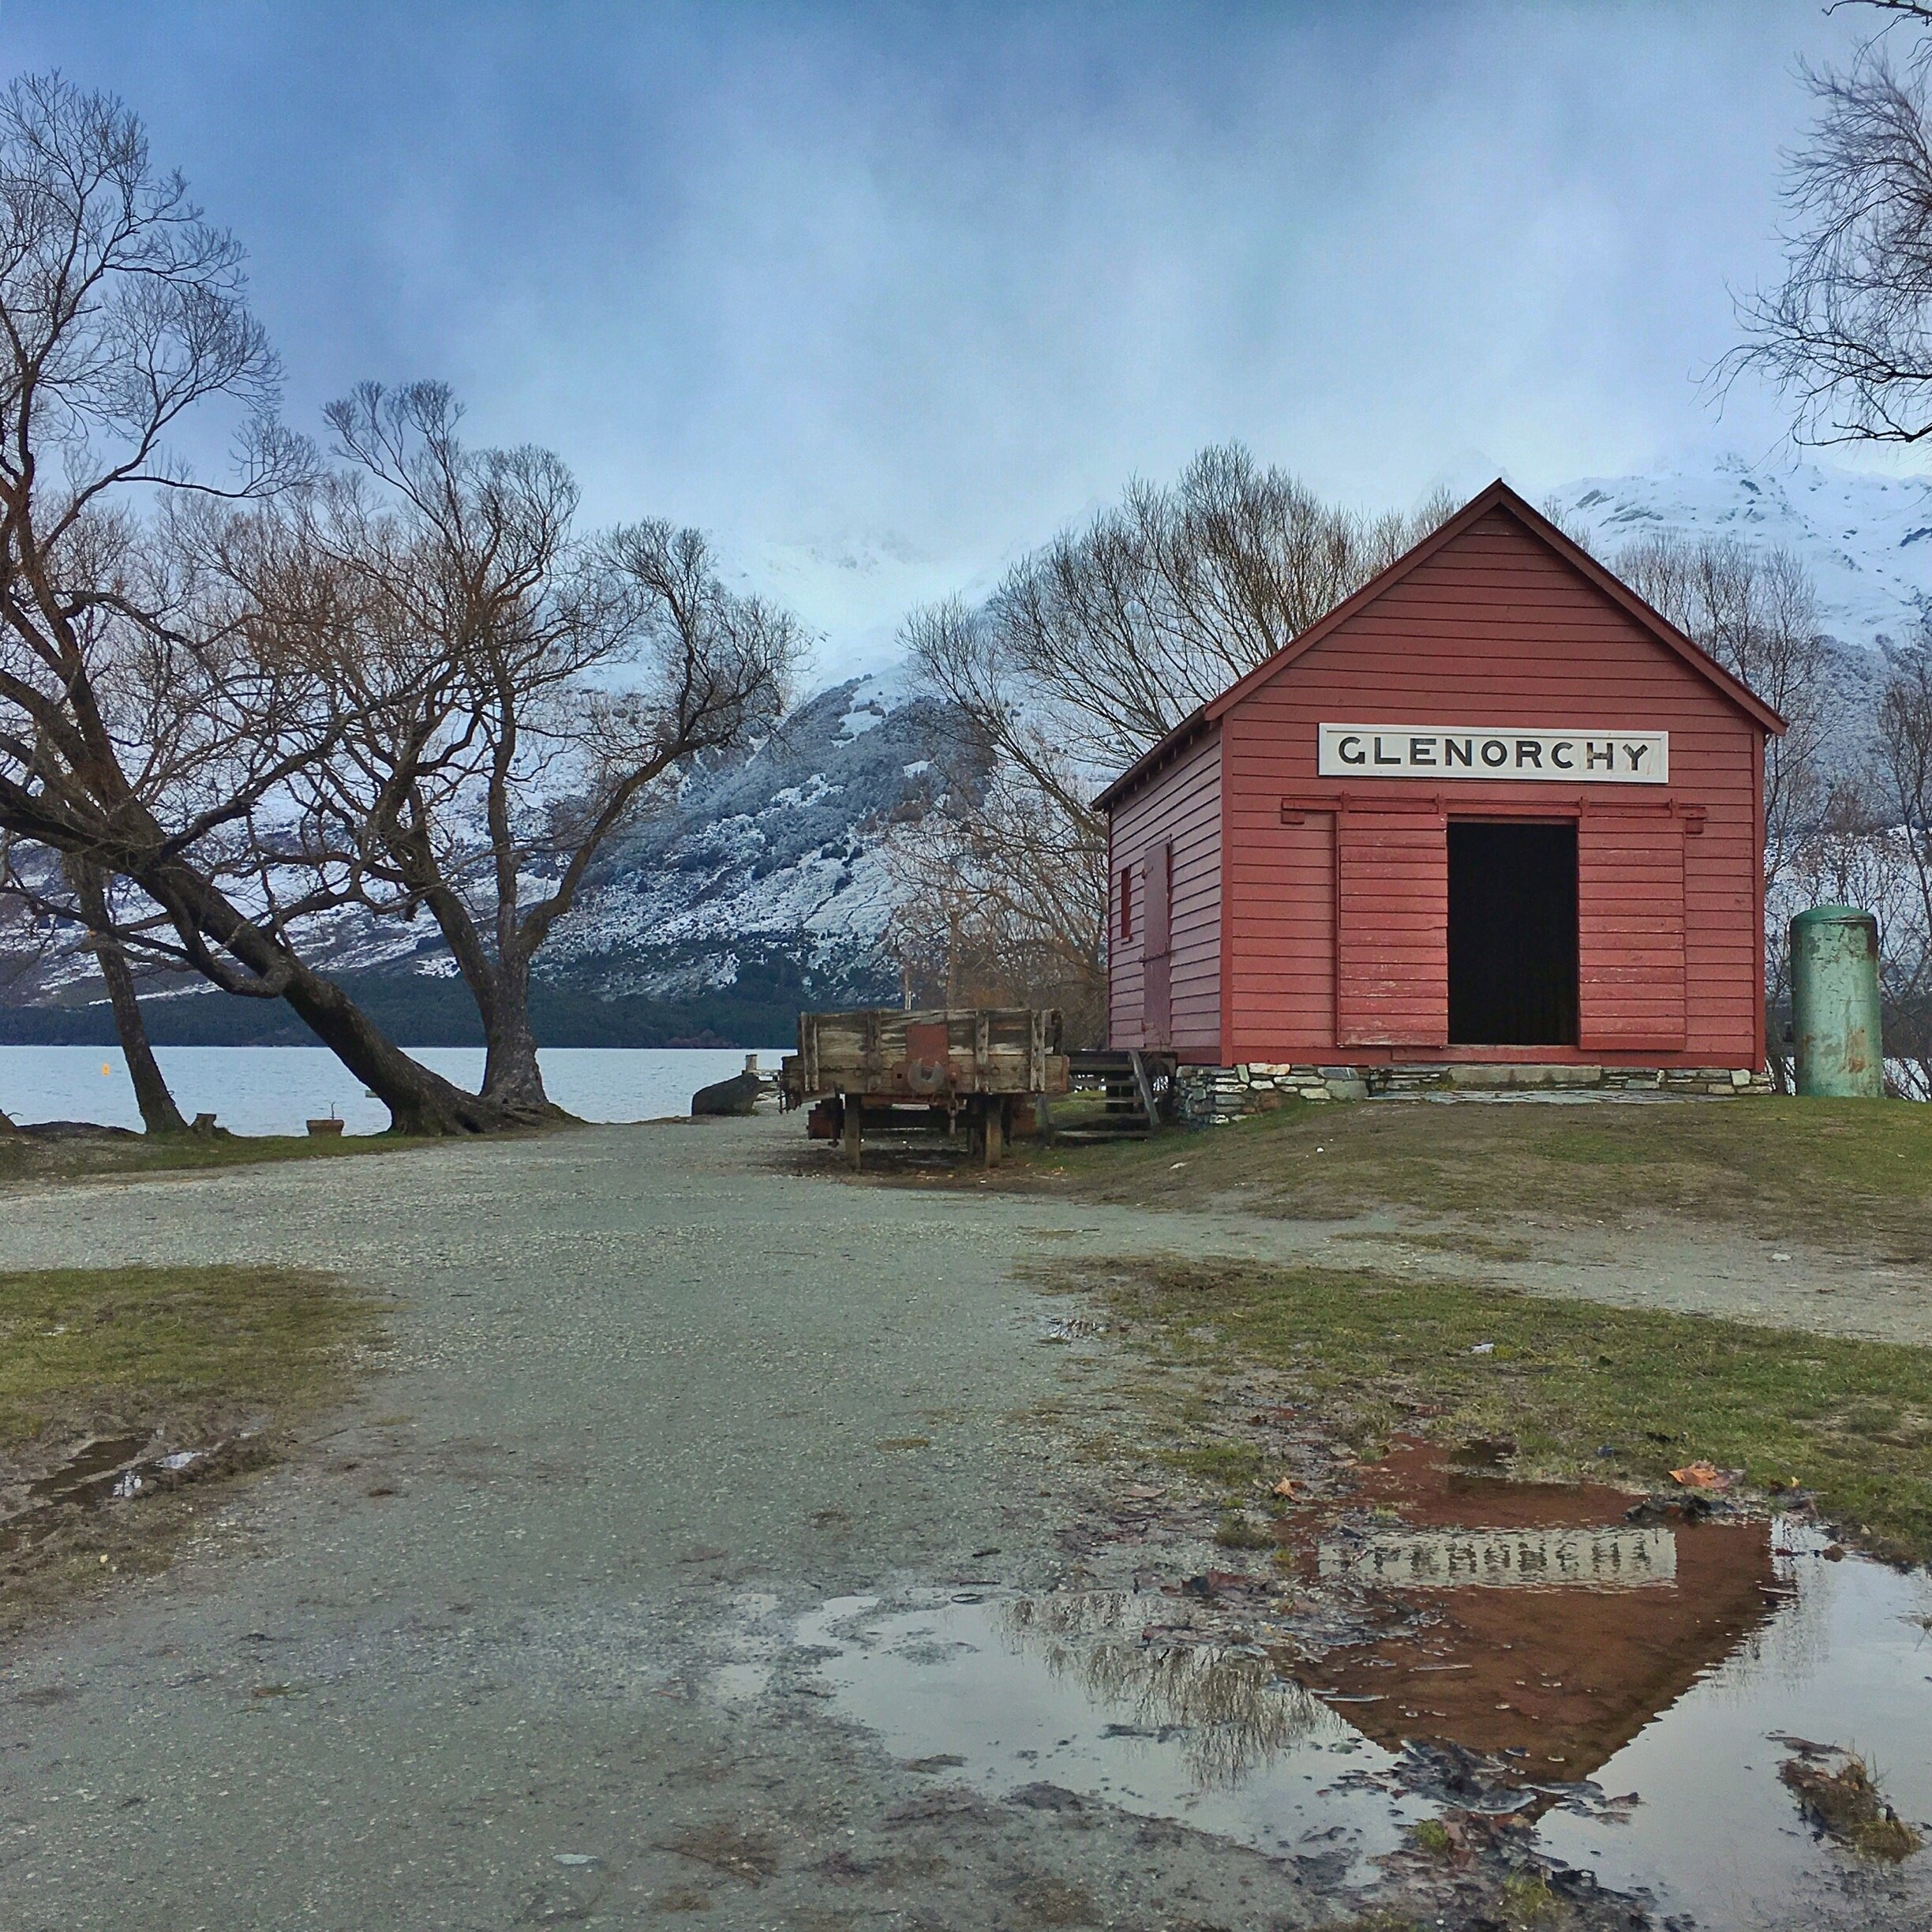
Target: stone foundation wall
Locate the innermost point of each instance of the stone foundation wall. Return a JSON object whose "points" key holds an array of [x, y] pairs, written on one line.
{"points": [[1208, 1096]]}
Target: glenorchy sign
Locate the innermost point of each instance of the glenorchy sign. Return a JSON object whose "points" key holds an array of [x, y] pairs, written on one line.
{"points": [[1594, 756]]}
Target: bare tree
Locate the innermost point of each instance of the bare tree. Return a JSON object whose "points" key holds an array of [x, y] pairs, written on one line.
{"points": [[60, 907], [160, 1114], [1847, 335], [996, 888], [1901, 829], [1756, 613], [1091, 651], [505, 694], [141, 727]]}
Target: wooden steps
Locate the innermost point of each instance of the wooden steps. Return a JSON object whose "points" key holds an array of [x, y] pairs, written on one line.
{"points": [[1134, 1083]]}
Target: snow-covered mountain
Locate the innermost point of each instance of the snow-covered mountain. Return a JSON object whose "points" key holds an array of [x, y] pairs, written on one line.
{"points": [[1866, 539], [771, 868], [763, 888]]}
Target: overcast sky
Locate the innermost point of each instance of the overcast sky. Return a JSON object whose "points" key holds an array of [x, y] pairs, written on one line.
{"points": [[937, 280]]}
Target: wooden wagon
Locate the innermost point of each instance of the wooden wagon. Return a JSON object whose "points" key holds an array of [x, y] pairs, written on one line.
{"points": [[880, 1069]]}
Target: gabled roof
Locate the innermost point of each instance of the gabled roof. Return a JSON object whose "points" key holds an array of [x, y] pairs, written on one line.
{"points": [[1499, 496]]}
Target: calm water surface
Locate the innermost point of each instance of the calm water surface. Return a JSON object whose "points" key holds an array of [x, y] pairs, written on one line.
{"points": [[273, 1090]]}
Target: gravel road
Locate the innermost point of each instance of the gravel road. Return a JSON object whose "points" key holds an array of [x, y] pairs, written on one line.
{"points": [[461, 1666], [477, 1660]]}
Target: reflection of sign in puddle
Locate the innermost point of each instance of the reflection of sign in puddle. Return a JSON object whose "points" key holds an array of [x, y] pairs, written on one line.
{"points": [[1622, 1558], [1539, 1628]]}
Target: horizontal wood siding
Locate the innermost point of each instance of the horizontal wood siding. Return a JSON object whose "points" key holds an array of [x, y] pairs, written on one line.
{"points": [[1630, 978], [1181, 808], [1494, 629], [1393, 873]]}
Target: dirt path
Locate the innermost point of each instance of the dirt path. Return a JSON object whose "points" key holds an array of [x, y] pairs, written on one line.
{"points": [[643, 1388], [1650, 1263], [480, 1660]]}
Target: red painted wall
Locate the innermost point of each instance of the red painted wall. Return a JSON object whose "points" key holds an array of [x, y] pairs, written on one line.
{"points": [[1181, 808], [1494, 629]]}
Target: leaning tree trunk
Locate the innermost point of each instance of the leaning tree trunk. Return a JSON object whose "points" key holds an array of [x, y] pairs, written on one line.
{"points": [[511, 1076], [419, 1101], [160, 1114]]}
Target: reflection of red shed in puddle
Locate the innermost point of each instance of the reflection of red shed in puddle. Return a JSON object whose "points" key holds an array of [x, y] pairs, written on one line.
{"points": [[1559, 1677], [1490, 809]]}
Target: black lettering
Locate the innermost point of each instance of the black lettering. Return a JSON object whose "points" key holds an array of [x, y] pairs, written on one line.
{"points": [[1558, 755], [1357, 756], [1529, 752], [1462, 752], [1636, 754], [1500, 748], [1380, 760], [1421, 751], [1595, 755]]}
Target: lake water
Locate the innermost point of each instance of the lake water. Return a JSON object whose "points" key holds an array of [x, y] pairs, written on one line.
{"points": [[273, 1090]]}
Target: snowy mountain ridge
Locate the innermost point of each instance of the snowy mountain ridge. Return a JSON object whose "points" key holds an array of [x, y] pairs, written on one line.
{"points": [[777, 860], [1866, 539]]}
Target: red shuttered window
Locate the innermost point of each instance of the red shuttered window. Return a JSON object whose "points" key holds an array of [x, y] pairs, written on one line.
{"points": [[1629, 929], [1392, 892], [1156, 950]]}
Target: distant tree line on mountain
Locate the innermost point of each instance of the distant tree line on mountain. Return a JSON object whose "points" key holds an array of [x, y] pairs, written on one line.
{"points": [[391, 677]]}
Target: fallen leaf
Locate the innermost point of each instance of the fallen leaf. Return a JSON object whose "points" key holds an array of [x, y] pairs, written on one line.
{"points": [[1701, 1476]]}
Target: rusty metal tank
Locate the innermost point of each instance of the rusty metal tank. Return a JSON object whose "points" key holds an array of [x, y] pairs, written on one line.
{"points": [[1835, 1017]]}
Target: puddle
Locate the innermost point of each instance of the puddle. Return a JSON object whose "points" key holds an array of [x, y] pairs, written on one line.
{"points": [[92, 1466], [1448, 1640], [1069, 1327], [1069, 1690], [109, 1468], [1528, 1621]]}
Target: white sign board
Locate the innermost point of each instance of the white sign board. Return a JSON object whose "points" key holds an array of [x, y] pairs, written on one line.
{"points": [[1591, 757], [1451, 1559]]}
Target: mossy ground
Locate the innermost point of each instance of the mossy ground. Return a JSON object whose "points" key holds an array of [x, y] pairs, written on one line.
{"points": [[30, 1160], [112, 1349], [1565, 1381], [184, 1357], [1855, 1171]]}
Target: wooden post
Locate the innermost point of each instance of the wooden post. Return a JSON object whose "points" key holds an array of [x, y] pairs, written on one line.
{"points": [[849, 1135], [995, 1131]]}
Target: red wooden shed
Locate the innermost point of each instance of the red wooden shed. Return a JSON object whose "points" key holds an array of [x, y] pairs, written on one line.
{"points": [[1493, 809]]}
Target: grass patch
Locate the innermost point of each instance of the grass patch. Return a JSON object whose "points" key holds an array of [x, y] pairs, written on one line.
{"points": [[174, 1357], [1850, 1420], [1237, 1530], [94, 1350], [1856, 1171], [1847, 1805], [1233, 1465], [1528, 1899], [26, 1160]]}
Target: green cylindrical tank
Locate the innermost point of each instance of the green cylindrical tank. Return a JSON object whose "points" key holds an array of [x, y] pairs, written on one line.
{"points": [[1835, 1023]]}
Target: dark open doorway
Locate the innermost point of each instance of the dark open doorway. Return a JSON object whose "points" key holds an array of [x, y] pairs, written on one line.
{"points": [[1513, 935]]}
